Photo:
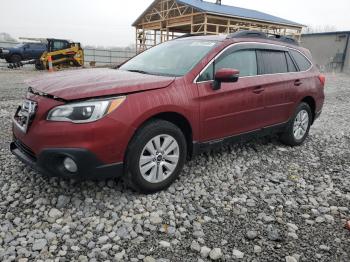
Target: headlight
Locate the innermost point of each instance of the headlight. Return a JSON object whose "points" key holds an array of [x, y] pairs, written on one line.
{"points": [[85, 112], [5, 51]]}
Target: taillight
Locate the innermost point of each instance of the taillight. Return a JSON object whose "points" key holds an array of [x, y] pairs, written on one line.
{"points": [[322, 79]]}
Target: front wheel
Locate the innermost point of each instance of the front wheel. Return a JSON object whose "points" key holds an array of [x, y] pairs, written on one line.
{"points": [[155, 156], [298, 127], [15, 58]]}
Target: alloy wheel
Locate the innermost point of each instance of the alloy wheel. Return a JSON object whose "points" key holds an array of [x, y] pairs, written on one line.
{"points": [[301, 125], [159, 158]]}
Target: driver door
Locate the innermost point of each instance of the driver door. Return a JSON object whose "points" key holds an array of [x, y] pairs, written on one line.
{"points": [[235, 108]]}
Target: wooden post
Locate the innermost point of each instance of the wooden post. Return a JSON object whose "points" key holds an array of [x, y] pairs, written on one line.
{"points": [[155, 37], [192, 24]]}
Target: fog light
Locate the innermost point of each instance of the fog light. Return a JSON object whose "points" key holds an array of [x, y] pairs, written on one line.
{"points": [[70, 165]]}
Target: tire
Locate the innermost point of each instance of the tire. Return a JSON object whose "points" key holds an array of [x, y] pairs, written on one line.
{"points": [[298, 127], [39, 65], [15, 58], [149, 170]]}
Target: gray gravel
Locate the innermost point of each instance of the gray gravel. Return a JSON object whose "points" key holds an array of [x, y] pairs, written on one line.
{"points": [[261, 201]]}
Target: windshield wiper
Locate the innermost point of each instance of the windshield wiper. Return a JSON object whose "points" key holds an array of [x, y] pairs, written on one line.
{"points": [[151, 73], [139, 71]]}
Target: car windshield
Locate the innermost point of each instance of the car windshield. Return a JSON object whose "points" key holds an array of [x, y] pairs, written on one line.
{"points": [[173, 58]]}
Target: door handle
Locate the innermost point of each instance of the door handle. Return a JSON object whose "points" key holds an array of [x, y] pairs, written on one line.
{"points": [[258, 90], [297, 83]]}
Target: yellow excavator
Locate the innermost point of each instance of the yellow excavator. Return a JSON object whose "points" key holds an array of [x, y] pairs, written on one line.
{"points": [[62, 53]]}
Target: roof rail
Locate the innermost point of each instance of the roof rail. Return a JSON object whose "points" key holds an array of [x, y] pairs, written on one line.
{"points": [[259, 34]]}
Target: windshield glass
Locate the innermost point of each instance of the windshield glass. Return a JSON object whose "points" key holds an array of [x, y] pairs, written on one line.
{"points": [[173, 58]]}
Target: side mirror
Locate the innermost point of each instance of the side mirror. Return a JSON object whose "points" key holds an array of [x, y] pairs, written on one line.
{"points": [[225, 75]]}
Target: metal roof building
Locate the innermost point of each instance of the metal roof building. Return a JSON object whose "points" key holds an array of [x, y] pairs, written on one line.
{"points": [[166, 19], [330, 50]]}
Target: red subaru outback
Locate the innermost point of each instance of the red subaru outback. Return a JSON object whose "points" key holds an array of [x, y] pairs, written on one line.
{"points": [[165, 105]]}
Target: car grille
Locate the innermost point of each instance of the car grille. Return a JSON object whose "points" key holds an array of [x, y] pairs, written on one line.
{"points": [[25, 149]]}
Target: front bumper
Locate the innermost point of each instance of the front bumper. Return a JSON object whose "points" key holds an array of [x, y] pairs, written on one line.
{"points": [[50, 162], [3, 55]]}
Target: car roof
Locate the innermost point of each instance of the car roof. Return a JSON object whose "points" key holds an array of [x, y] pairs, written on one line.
{"points": [[224, 38]]}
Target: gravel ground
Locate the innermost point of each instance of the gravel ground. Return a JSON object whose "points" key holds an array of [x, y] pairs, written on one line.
{"points": [[260, 201]]}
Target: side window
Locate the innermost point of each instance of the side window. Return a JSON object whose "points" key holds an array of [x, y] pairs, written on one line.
{"points": [[208, 74], [301, 60], [35, 47], [291, 65], [273, 62], [244, 61], [58, 45], [66, 45]]}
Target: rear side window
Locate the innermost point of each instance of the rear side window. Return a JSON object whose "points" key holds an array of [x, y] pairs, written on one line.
{"points": [[291, 65], [303, 63], [272, 62], [243, 60], [36, 47]]}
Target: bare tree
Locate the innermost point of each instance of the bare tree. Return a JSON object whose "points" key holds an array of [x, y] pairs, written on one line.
{"points": [[319, 29], [5, 37]]}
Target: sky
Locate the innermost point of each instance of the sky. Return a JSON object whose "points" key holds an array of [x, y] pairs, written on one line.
{"points": [[108, 22]]}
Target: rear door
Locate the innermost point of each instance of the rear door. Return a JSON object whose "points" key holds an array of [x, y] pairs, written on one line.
{"points": [[278, 80], [37, 50], [26, 52], [236, 107]]}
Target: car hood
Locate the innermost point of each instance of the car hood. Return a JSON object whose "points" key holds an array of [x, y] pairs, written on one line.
{"points": [[89, 83]]}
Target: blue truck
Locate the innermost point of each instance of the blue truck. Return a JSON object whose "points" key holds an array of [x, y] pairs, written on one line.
{"points": [[23, 52]]}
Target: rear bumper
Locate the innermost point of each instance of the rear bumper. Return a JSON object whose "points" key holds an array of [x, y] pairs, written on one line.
{"points": [[50, 163]]}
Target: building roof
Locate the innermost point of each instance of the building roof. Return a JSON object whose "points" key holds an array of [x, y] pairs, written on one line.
{"points": [[233, 11]]}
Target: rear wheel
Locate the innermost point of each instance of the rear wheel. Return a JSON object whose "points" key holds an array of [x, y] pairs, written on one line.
{"points": [[15, 58], [298, 127], [155, 157]]}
